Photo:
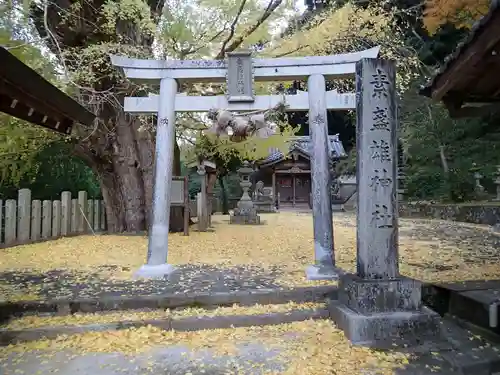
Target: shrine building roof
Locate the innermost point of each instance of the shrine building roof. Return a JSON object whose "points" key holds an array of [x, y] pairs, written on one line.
{"points": [[303, 145], [468, 82], [28, 96]]}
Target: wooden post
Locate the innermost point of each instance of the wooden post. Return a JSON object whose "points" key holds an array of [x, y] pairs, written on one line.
{"points": [[24, 215], [10, 221], [199, 212], [82, 212], [65, 213], [74, 216], [97, 214], [294, 189], [324, 256], [36, 219], [90, 215], [202, 205], [46, 219], [165, 139], [56, 218], [186, 206], [275, 197], [102, 220]]}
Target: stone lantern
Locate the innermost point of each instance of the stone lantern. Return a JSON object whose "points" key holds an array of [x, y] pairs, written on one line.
{"points": [[245, 213]]}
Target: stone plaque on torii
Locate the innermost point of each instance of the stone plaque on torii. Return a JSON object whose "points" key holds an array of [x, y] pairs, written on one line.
{"points": [[374, 304]]}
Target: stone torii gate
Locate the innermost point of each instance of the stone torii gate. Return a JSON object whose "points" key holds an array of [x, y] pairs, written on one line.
{"points": [[239, 70], [375, 304]]}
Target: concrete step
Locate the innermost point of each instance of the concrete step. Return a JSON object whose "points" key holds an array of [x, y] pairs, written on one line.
{"points": [[476, 301], [49, 326], [458, 352]]}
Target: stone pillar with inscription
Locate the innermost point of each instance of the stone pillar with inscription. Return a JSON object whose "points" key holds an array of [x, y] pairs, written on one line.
{"points": [[157, 266], [324, 255], [377, 306]]}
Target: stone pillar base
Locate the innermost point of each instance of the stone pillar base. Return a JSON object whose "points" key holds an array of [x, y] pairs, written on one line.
{"points": [[154, 272], [319, 272], [247, 216], [380, 313], [338, 207]]}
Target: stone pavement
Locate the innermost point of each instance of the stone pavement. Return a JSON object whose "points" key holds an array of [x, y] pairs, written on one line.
{"points": [[187, 279], [458, 353], [171, 360]]}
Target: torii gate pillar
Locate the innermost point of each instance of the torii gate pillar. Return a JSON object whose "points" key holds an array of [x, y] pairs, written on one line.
{"points": [[156, 266]]}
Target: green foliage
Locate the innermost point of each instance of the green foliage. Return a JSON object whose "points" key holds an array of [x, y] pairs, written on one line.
{"points": [[52, 171], [429, 135]]}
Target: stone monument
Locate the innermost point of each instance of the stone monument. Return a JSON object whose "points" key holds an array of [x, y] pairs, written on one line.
{"points": [[378, 306], [245, 213]]}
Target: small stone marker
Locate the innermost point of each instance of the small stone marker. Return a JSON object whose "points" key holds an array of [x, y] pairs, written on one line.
{"points": [[56, 218], [97, 214], [74, 215], [90, 215], [65, 213], [82, 212], [36, 220], [10, 221], [46, 219], [24, 215], [378, 305]]}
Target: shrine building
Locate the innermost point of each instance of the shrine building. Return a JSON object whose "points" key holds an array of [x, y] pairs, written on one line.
{"points": [[290, 175]]}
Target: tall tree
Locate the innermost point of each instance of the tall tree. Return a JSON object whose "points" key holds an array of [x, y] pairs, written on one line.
{"points": [[82, 34], [459, 13]]}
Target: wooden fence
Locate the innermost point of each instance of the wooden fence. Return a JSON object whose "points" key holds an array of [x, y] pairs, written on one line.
{"points": [[25, 220]]}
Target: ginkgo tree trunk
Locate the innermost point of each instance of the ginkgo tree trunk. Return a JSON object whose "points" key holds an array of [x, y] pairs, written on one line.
{"points": [[82, 34]]}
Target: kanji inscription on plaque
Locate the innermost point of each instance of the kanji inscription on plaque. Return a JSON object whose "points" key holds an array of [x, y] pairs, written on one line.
{"points": [[239, 77]]}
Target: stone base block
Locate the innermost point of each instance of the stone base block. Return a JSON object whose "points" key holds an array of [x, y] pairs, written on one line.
{"points": [[383, 330], [377, 296], [319, 272], [338, 207], [244, 219], [159, 271]]}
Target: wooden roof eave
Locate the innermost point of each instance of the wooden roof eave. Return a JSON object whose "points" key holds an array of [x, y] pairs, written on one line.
{"points": [[28, 96], [464, 61]]}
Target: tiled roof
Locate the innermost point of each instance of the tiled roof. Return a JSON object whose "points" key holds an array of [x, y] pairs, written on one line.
{"points": [[474, 33], [304, 145]]}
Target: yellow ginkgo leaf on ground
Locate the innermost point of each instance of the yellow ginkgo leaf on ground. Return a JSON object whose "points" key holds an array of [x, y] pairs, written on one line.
{"points": [[429, 250]]}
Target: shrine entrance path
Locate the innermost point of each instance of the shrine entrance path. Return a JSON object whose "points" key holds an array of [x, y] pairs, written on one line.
{"points": [[232, 258]]}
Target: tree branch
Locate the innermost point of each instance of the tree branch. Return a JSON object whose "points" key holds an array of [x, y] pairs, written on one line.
{"points": [[232, 29]]}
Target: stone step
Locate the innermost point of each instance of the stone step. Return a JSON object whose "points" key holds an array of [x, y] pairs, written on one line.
{"points": [[50, 326], [471, 301], [168, 301], [458, 351], [480, 307]]}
